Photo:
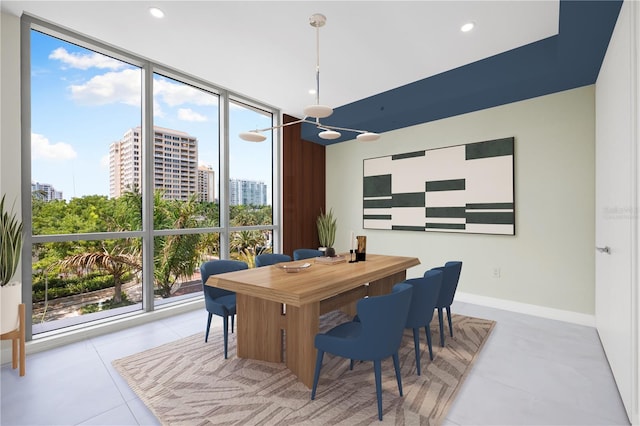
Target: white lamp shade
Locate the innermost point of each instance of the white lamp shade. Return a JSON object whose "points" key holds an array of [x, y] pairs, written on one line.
{"points": [[329, 134], [368, 137], [252, 136], [317, 111]]}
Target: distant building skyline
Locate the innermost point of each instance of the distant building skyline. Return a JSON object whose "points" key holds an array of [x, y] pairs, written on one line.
{"points": [[206, 184], [175, 169], [175, 165], [45, 191], [83, 101], [245, 192]]}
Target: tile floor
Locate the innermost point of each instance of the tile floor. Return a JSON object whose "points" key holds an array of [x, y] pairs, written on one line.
{"points": [[532, 371]]}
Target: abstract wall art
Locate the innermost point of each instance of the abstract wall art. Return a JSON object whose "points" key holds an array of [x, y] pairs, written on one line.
{"points": [[464, 188]]}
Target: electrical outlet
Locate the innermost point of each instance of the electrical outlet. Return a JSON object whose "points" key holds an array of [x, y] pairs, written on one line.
{"points": [[496, 272]]}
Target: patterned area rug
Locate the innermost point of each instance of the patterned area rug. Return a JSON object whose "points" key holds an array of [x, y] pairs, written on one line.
{"points": [[188, 382]]}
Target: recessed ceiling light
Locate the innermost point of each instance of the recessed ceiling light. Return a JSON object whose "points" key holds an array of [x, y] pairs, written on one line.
{"points": [[467, 27], [156, 13]]}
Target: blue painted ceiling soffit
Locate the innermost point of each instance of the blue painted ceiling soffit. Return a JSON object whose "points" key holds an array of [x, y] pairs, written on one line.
{"points": [[566, 61]]}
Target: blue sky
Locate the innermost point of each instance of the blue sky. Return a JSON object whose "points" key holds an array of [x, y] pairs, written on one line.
{"points": [[82, 101]]}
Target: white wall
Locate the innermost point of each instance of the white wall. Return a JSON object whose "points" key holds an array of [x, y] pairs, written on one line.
{"points": [[9, 120], [617, 106], [10, 108], [548, 266]]}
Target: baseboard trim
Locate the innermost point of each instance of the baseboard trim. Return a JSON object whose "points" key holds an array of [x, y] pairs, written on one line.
{"points": [[56, 339], [64, 338], [525, 308]]}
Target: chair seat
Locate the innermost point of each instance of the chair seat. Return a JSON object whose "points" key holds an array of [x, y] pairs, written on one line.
{"points": [[338, 340], [228, 301], [344, 331]]}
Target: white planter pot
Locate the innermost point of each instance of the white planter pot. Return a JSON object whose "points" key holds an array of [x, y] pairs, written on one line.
{"points": [[10, 298]]}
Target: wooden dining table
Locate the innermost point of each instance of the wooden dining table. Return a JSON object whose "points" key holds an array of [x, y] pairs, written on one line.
{"points": [[278, 311]]}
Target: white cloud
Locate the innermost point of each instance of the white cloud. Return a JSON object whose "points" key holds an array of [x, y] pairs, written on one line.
{"points": [[174, 94], [41, 148], [123, 86], [187, 114], [85, 61], [104, 162], [157, 109]]}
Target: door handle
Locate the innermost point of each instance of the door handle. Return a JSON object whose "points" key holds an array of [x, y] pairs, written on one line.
{"points": [[605, 249]]}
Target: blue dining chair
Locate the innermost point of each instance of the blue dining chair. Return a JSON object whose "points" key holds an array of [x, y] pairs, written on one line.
{"points": [[217, 300], [303, 253], [451, 276], [266, 259], [423, 303], [376, 335]]}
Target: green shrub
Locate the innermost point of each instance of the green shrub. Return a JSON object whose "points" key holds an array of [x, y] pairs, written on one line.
{"points": [[63, 287]]}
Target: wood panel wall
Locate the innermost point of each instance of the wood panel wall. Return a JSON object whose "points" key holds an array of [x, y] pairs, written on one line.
{"points": [[303, 189]]}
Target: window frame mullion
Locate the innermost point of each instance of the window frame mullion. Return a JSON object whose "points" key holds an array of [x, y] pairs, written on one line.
{"points": [[147, 138]]}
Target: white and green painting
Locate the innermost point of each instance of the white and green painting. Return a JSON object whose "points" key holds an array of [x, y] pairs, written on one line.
{"points": [[465, 188]]}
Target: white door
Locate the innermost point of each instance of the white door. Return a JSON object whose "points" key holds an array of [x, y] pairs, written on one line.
{"points": [[617, 207]]}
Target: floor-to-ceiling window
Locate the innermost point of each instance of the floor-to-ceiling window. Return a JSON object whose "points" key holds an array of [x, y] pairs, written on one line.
{"points": [[137, 176], [186, 176]]}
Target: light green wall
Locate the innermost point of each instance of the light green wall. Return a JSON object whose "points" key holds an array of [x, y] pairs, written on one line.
{"points": [[550, 260]]}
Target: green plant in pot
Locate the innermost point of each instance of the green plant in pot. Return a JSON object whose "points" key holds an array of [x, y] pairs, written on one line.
{"points": [[327, 232], [10, 251]]}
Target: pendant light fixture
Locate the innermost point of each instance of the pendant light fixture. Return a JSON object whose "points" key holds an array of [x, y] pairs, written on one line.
{"points": [[317, 110]]}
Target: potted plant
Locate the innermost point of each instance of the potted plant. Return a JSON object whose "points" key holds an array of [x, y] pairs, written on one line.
{"points": [[327, 232], [10, 250]]}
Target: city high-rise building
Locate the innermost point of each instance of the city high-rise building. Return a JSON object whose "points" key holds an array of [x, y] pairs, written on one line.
{"points": [[45, 191], [175, 164], [206, 184], [247, 192]]}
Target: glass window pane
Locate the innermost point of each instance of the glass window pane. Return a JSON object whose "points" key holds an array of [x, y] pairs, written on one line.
{"points": [[185, 151], [250, 168], [246, 245], [177, 260], [82, 102], [81, 281]]}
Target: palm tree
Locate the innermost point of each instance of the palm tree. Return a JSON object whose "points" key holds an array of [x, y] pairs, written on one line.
{"points": [[175, 256], [242, 240], [116, 260]]}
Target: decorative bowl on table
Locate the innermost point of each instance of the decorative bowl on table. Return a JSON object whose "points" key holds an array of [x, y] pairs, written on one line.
{"points": [[292, 268]]}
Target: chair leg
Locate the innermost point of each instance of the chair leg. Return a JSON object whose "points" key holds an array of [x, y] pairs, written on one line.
{"points": [[427, 331], [449, 317], [416, 344], [396, 366], [378, 374], [233, 317], [206, 333], [351, 364], [225, 325], [316, 374], [440, 320]]}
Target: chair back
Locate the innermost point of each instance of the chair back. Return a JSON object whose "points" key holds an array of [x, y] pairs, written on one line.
{"points": [[267, 259], [303, 253], [214, 267], [424, 298], [451, 276], [383, 319]]}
